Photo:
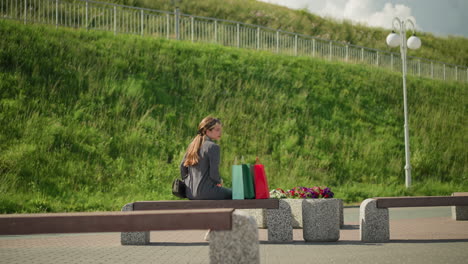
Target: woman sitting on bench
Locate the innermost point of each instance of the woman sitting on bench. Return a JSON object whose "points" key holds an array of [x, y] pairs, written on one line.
{"points": [[200, 166]]}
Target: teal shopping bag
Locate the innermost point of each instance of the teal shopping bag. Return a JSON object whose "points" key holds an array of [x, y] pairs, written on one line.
{"points": [[237, 183], [247, 176]]}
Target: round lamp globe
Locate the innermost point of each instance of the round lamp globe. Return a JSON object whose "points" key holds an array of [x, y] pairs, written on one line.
{"points": [[414, 42], [393, 39]]}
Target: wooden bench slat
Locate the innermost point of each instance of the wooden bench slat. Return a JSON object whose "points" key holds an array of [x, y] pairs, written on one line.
{"points": [[129, 221], [200, 204], [421, 201]]}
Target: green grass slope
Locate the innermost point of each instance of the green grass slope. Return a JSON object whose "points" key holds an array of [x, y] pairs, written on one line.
{"points": [[451, 49], [91, 121]]}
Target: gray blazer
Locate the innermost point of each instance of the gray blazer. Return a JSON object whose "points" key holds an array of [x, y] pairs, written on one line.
{"points": [[201, 179]]}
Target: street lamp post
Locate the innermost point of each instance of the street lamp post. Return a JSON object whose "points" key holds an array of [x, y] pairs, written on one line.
{"points": [[393, 40]]}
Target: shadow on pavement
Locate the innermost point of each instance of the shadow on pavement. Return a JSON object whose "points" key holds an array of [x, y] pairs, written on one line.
{"points": [[350, 227], [425, 241], [178, 244]]}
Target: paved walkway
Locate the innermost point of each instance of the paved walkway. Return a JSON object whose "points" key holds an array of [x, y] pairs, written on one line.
{"points": [[418, 235]]}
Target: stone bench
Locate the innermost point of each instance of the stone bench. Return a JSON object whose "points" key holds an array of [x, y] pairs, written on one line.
{"points": [[278, 215], [233, 239], [374, 217]]}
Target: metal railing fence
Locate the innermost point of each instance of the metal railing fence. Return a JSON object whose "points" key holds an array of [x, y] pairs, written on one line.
{"points": [[175, 25]]}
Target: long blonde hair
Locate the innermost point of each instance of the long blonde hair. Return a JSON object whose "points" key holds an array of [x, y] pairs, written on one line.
{"points": [[191, 155]]}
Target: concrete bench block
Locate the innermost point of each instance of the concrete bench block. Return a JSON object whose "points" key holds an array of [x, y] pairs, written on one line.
{"points": [[460, 213], [258, 214], [279, 223], [239, 245], [341, 213], [133, 238], [296, 212], [374, 222], [321, 220]]}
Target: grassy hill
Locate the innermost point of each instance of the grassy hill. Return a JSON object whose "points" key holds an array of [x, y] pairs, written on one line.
{"points": [[452, 49], [91, 121]]}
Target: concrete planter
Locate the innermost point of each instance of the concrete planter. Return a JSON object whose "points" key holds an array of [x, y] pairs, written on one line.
{"points": [[259, 216], [296, 210], [321, 220]]}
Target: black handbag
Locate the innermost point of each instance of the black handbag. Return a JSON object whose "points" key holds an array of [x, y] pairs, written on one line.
{"points": [[178, 188]]}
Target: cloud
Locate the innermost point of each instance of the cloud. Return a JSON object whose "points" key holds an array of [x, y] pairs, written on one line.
{"points": [[368, 12]]}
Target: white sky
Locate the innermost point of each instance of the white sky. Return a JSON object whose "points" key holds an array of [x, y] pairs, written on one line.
{"points": [[440, 17]]}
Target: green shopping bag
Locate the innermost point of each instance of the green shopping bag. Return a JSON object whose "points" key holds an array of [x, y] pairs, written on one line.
{"points": [[237, 183], [247, 176]]}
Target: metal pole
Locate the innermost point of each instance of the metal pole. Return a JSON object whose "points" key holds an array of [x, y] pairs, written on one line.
{"points": [[362, 54], [403, 50]]}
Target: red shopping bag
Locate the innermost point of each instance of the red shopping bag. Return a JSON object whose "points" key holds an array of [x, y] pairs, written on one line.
{"points": [[261, 184]]}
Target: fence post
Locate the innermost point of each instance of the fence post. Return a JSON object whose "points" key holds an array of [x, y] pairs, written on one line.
{"points": [[347, 53], [377, 59], [56, 13], [115, 20], [176, 23], [216, 31], [313, 47], [456, 73], [258, 38], [192, 28], [25, 11], [295, 45], [330, 52], [168, 28], [391, 61], [444, 71], [419, 68], [142, 22], [277, 41], [238, 35], [86, 16], [362, 54], [432, 70]]}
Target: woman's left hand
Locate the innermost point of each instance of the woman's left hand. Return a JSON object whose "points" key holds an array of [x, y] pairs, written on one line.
{"points": [[220, 184]]}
